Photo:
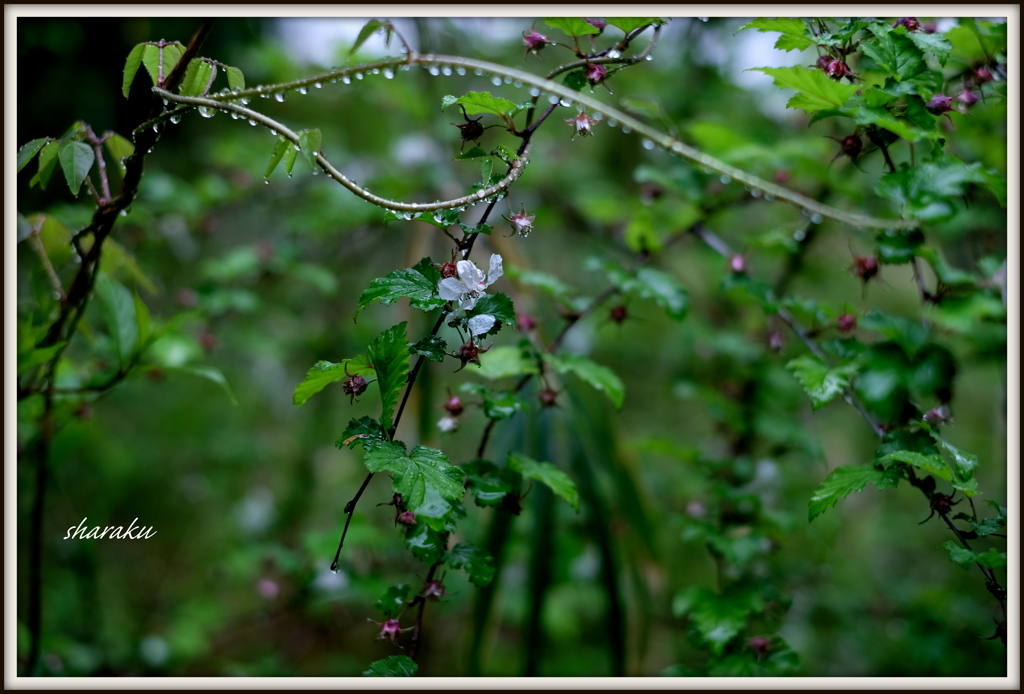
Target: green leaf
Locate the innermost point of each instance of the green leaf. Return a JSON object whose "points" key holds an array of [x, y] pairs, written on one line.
{"points": [[897, 247], [172, 54], [549, 284], [547, 474], [478, 564], [819, 382], [389, 354], [794, 32], [476, 103], [966, 463], [432, 347], [471, 154], [502, 405], [131, 66], [663, 290], [843, 480], [29, 150], [936, 44], [290, 153], [816, 91], [628, 24], [275, 157], [499, 306], [365, 431], [718, 618], [119, 148], [575, 80], [197, 77], [927, 192], [420, 288], [599, 377], [76, 158], [488, 484], [37, 357], [119, 311], [309, 143], [894, 53], [414, 474], [324, 373], [392, 666], [932, 464], [426, 545], [47, 164], [986, 527], [393, 600], [991, 559], [366, 32], [236, 80], [909, 334], [500, 362], [572, 26], [210, 374]]}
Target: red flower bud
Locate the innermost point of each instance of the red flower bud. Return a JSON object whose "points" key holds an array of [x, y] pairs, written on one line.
{"points": [[910, 23], [406, 518], [583, 124], [525, 322], [760, 645], [433, 590], [548, 397], [847, 323], [618, 314], [598, 24], [738, 264], [454, 405], [534, 42], [940, 104], [596, 73]]}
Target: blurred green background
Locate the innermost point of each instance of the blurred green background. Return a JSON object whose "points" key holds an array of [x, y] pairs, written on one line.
{"points": [[247, 499]]}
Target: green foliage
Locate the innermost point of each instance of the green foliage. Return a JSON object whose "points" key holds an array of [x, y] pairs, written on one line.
{"points": [[549, 475], [487, 483], [820, 382], [478, 565], [992, 559], [392, 666], [596, 376], [393, 600], [418, 283], [76, 158], [502, 362], [795, 35], [389, 355], [844, 480], [572, 26], [432, 347], [717, 618], [815, 91], [198, 77], [423, 476], [477, 103], [323, 373]]}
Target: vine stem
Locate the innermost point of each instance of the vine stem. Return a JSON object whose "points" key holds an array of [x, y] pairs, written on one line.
{"points": [[516, 167], [224, 101]]}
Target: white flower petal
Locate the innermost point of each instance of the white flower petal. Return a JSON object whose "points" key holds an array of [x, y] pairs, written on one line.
{"points": [[468, 301], [471, 275], [450, 289], [448, 423], [496, 270], [478, 325]]}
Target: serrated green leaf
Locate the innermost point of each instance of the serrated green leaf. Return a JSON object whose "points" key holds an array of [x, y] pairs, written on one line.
{"points": [[471, 154], [894, 53], [365, 431], [324, 373], [992, 559], [476, 103], [420, 289], [820, 382], [478, 564], [497, 305], [628, 24], [76, 158], [236, 80], [389, 354], [572, 26], [936, 44], [447, 100], [432, 347], [151, 59], [844, 480], [718, 618], [909, 334], [897, 246], [548, 474], [932, 464], [29, 150], [575, 80], [172, 54], [598, 377], [414, 475], [392, 666], [131, 66], [986, 527], [119, 312], [197, 77], [393, 600], [366, 32], [926, 192], [502, 405], [501, 362], [309, 143], [794, 32], [816, 90]]}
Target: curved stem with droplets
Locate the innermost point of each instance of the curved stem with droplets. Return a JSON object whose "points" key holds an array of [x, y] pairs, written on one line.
{"points": [[224, 101]]}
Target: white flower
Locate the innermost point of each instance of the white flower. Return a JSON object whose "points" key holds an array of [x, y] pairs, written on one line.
{"points": [[469, 286], [479, 325], [447, 423]]}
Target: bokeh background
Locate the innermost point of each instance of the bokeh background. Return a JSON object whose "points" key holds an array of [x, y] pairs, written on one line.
{"points": [[247, 498]]}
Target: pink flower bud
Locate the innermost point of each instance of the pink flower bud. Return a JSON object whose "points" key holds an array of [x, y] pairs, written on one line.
{"points": [[582, 123]]}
